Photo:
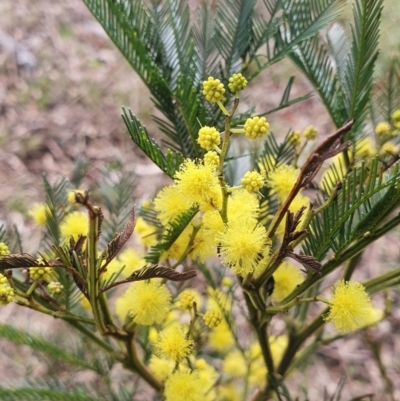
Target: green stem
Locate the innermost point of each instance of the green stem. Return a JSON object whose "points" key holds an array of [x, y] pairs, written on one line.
{"points": [[273, 310]]}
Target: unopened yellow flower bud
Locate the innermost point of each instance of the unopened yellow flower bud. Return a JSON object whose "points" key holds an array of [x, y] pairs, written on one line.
{"points": [[40, 273], [4, 249], [237, 82], [256, 127], [55, 288], [396, 117], [382, 129], [310, 132], [212, 318], [213, 90], [208, 138], [294, 138], [211, 158], [388, 148], [6, 294], [226, 282], [252, 181], [188, 298]]}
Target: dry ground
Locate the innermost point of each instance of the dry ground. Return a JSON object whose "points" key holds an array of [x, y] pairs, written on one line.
{"points": [[62, 84]]}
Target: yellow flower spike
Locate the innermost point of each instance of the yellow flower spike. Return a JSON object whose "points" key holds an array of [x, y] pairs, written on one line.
{"points": [[212, 318], [71, 197], [187, 298], [256, 127], [252, 181], [74, 225], [161, 368], [145, 302], [211, 158], [4, 249], [310, 132], [382, 129], [282, 180], [199, 184], [208, 138], [295, 138], [184, 386], [350, 306], [241, 244], [213, 90], [173, 343], [286, 278], [39, 213], [237, 82]]}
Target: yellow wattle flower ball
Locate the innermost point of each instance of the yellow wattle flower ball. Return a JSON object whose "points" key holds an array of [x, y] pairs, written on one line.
{"points": [[310, 132], [6, 291], [213, 90], [161, 368], [211, 158], [199, 184], [173, 343], [237, 82], [74, 225], [208, 138], [4, 249], [184, 386], [256, 127], [350, 306], [396, 117], [145, 302], [365, 148], [221, 338], [39, 213], [187, 298], [132, 261], [282, 180], [212, 318], [252, 181], [286, 278], [388, 148], [41, 273], [382, 129], [241, 244], [169, 204]]}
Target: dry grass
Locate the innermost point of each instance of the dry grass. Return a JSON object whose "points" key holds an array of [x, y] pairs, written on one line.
{"points": [[62, 83]]}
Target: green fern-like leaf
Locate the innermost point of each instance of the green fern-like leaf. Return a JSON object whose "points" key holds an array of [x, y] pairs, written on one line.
{"points": [[40, 344], [364, 200], [169, 163], [171, 234]]}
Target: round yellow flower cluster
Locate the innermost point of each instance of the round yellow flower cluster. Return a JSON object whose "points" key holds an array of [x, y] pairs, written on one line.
{"points": [[237, 82], [55, 288], [396, 118], [252, 181], [6, 292], [382, 129], [310, 132], [40, 273], [213, 90], [208, 138], [4, 249], [188, 298], [256, 127], [211, 158], [212, 318]]}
